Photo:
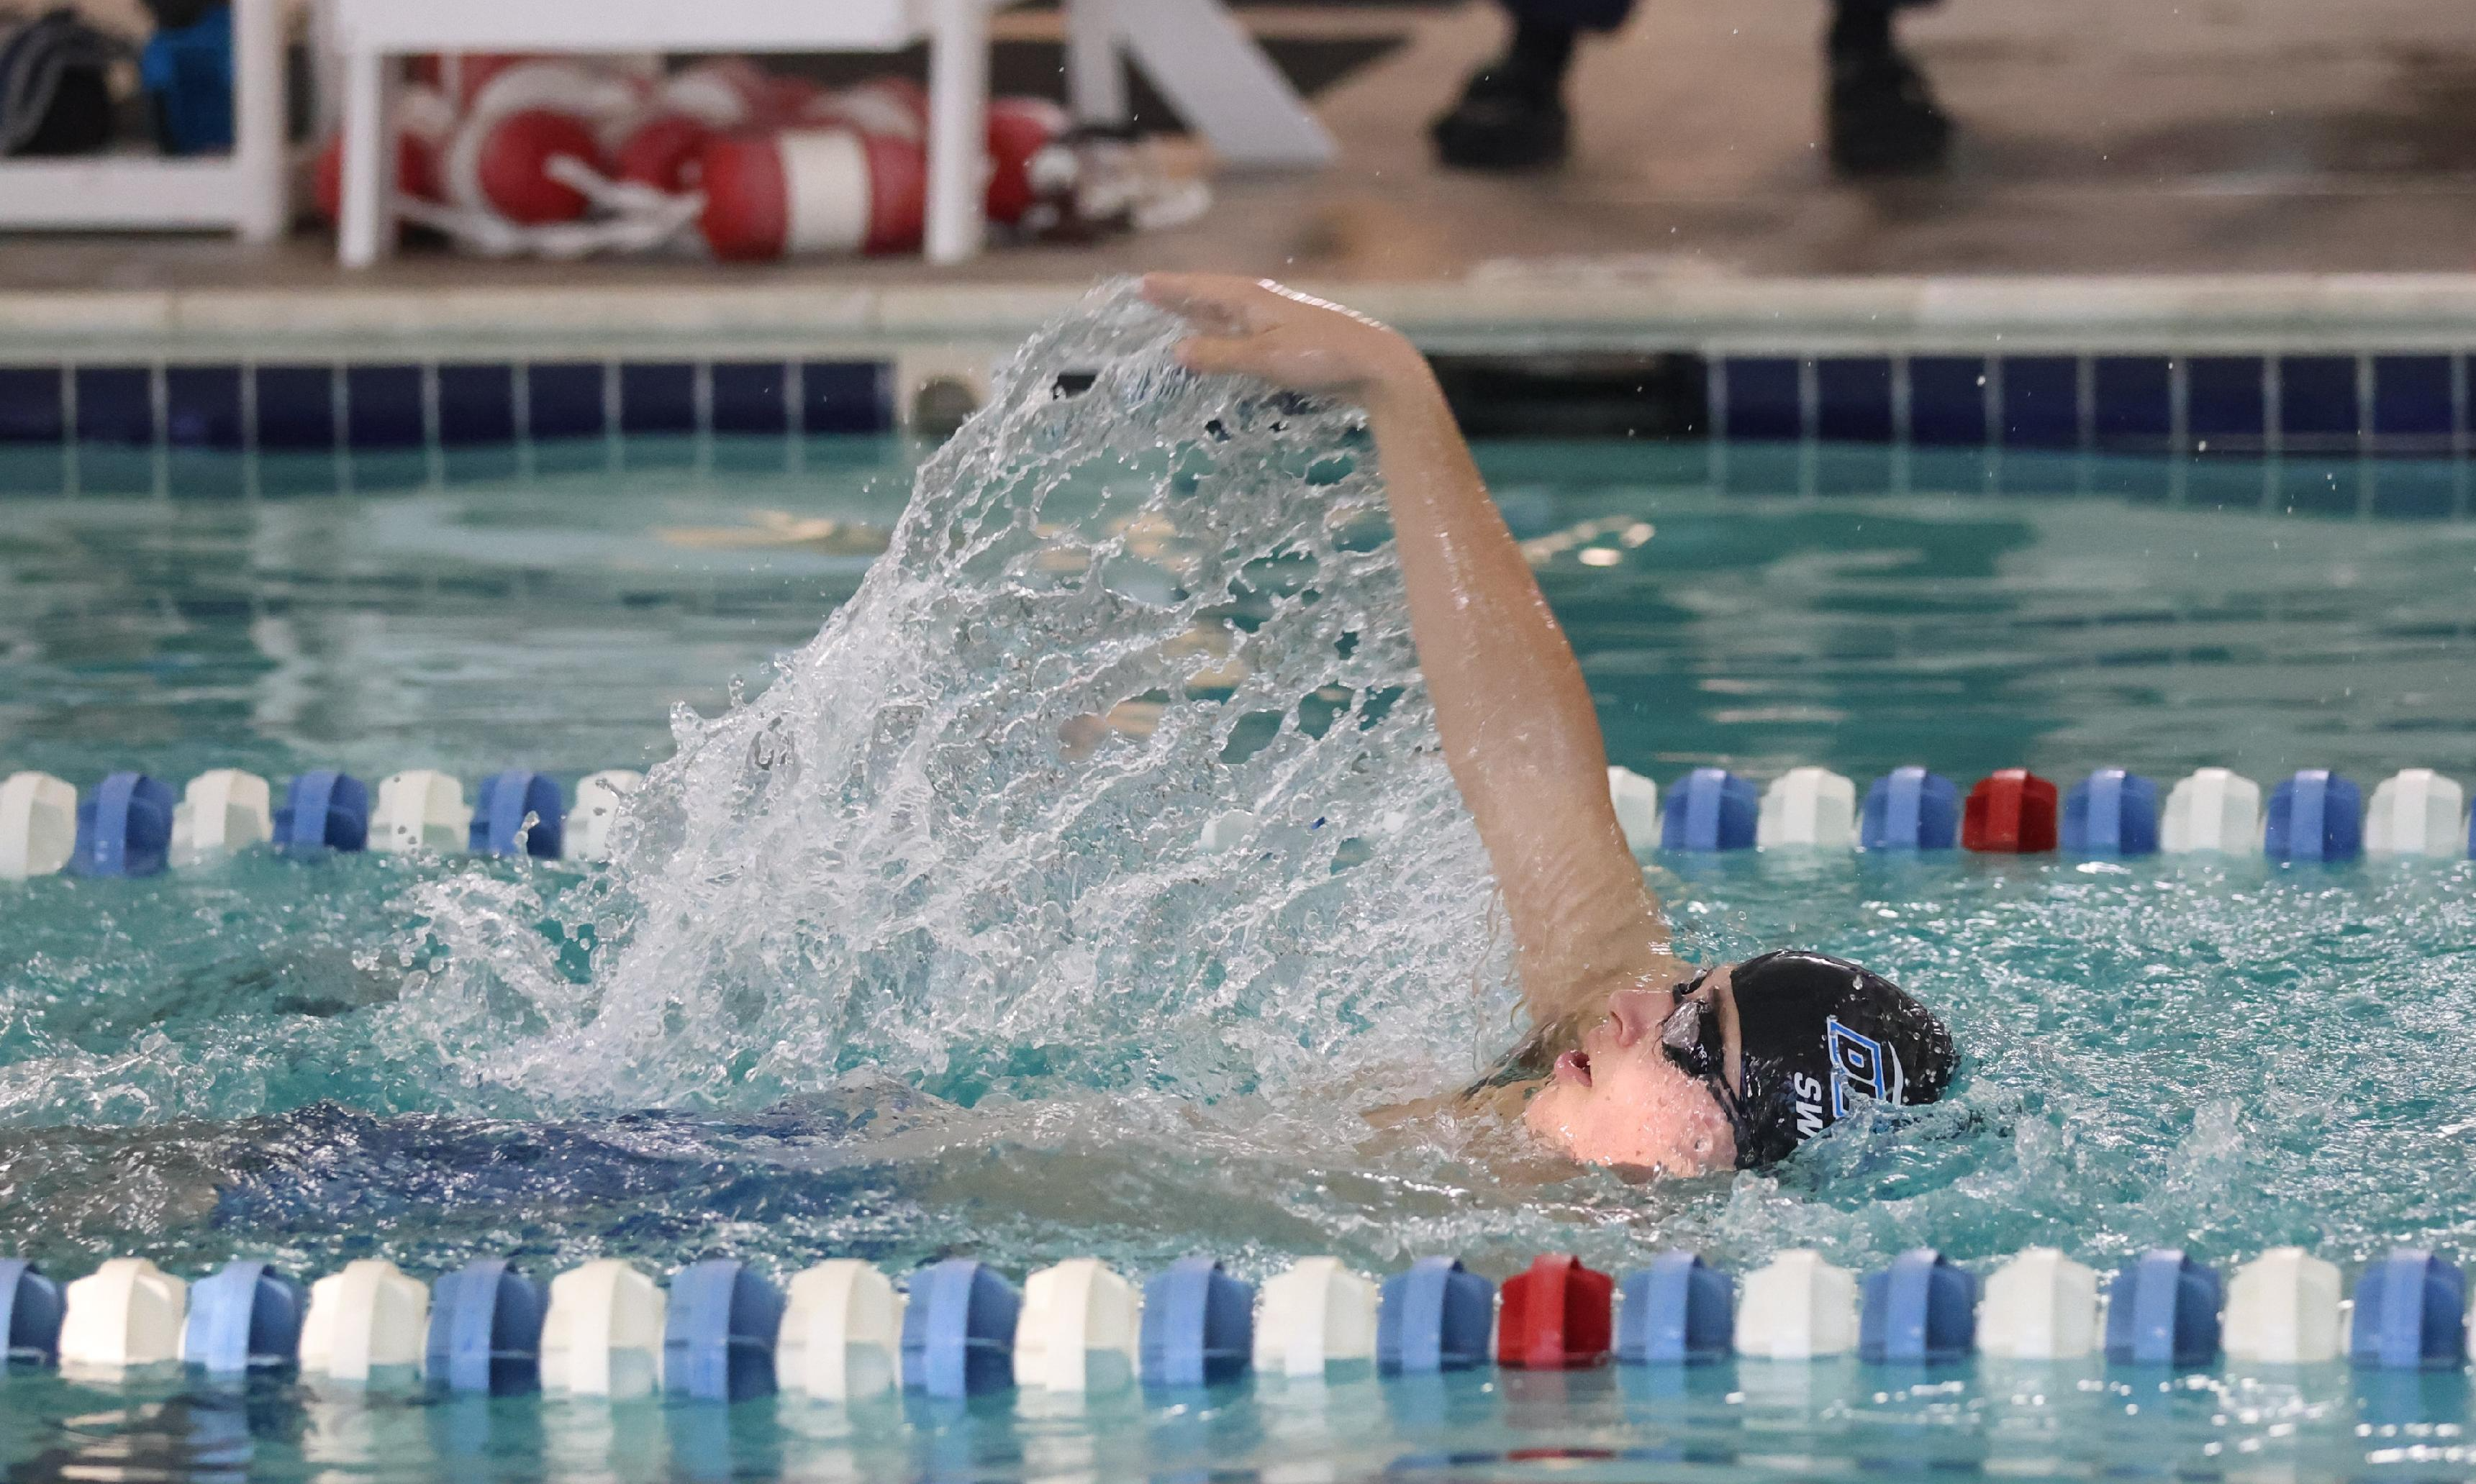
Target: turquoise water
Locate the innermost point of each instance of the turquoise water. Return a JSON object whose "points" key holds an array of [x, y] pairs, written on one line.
{"points": [[432, 1059]]}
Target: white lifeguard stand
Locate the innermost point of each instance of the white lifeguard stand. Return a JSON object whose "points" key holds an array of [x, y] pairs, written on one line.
{"points": [[1193, 51]]}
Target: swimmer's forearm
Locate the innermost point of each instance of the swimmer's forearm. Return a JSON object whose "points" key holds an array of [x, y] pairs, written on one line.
{"points": [[1520, 731]]}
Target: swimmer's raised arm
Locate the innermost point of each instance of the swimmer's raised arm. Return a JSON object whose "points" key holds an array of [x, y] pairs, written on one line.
{"points": [[1518, 729]]}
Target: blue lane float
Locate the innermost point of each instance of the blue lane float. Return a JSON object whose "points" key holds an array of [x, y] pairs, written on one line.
{"points": [[2162, 1310], [2111, 812], [958, 1330], [485, 1329], [1435, 1317], [1198, 1325], [2315, 815], [323, 810], [1710, 810], [29, 1314], [1922, 1310], [1910, 809], [718, 1338], [246, 1316], [1679, 1311], [124, 828], [2411, 1314], [506, 801]]}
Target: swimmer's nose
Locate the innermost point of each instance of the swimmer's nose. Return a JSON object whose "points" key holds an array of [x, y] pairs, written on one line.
{"points": [[1638, 1012]]}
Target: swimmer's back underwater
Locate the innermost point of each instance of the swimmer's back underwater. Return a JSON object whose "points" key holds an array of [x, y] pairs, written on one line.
{"points": [[1636, 1059]]}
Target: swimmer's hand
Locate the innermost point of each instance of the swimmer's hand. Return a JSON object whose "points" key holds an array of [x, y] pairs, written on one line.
{"points": [[1255, 327]]}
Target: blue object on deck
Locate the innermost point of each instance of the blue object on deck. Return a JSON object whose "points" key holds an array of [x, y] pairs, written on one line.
{"points": [[187, 74], [30, 1313], [958, 1330], [1435, 1317], [2162, 1309], [1677, 1311], [1923, 1309], [2111, 812], [486, 1329], [245, 1315], [499, 816], [1711, 809], [323, 810], [2315, 815], [718, 1335], [1910, 809], [124, 828], [1198, 1325], [2411, 1314]]}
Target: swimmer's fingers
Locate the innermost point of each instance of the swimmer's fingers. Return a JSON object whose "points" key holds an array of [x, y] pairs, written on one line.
{"points": [[1214, 301], [1215, 354]]}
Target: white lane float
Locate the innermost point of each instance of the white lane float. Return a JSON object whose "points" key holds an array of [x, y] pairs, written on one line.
{"points": [[1316, 1315], [371, 1317], [1799, 1307], [419, 809], [38, 826], [1637, 804], [598, 797], [842, 1333], [1812, 807], [1078, 1329], [2039, 1305], [602, 1336], [223, 811], [2283, 1309], [128, 1312], [2416, 813], [2214, 809]]}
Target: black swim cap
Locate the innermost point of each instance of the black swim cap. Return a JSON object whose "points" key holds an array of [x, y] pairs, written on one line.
{"points": [[1817, 1031]]}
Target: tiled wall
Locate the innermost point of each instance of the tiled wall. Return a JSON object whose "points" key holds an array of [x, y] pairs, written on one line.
{"points": [[2371, 434]]}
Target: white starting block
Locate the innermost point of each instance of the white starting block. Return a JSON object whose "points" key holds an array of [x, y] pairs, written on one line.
{"points": [[2283, 1310], [842, 1332], [420, 810], [1637, 802], [602, 1336], [126, 1313], [2040, 1305], [38, 826], [1317, 1315], [1799, 1307], [1079, 1328], [221, 812], [2418, 812], [370, 1317], [598, 797], [1808, 806], [2212, 811]]}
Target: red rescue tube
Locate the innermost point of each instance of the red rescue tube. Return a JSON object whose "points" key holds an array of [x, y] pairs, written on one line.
{"points": [[813, 191]]}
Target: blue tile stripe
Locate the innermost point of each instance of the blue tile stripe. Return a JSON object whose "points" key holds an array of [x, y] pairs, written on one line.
{"points": [[337, 410]]}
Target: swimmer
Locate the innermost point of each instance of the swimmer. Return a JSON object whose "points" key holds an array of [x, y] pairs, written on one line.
{"points": [[1636, 1059]]}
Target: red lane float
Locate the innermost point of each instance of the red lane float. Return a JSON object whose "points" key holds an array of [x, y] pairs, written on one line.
{"points": [[2010, 812], [1555, 1317], [813, 191]]}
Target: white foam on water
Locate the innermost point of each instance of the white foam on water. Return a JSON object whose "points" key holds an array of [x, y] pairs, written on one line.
{"points": [[960, 834]]}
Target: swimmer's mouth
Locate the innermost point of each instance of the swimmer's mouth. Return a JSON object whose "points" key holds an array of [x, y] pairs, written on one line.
{"points": [[1574, 1067]]}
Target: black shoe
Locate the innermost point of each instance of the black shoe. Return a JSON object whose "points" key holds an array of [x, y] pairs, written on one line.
{"points": [[1503, 122], [1883, 117]]}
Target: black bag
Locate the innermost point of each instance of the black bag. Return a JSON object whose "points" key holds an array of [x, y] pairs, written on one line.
{"points": [[54, 84]]}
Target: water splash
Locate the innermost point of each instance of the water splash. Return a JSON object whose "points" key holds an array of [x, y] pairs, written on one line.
{"points": [[962, 834]]}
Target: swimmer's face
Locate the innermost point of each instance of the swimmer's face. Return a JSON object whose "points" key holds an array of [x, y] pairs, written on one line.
{"points": [[1620, 1101]]}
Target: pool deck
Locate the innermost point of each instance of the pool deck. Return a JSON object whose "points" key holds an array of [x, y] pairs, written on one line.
{"points": [[2125, 179]]}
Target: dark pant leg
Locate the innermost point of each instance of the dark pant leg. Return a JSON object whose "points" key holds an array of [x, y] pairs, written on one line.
{"points": [[1580, 14]]}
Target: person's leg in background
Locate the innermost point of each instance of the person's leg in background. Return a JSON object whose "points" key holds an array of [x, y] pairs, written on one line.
{"points": [[1511, 115], [1882, 118]]}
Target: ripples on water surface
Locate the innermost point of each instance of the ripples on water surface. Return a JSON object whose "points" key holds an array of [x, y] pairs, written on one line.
{"points": [[917, 950]]}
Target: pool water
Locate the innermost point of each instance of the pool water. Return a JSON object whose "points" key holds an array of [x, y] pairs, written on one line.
{"points": [[434, 1059]]}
